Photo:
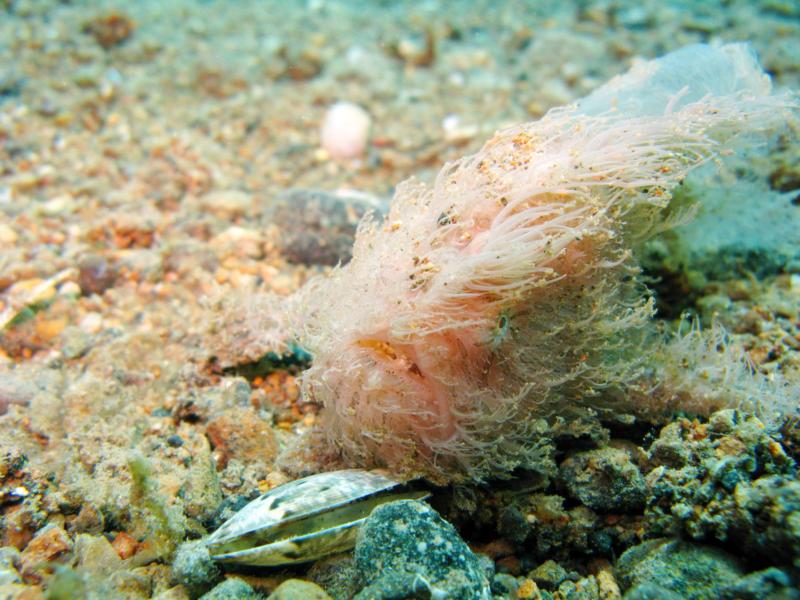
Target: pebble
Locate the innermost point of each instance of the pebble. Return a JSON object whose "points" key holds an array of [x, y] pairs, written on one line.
{"points": [[96, 555], [9, 561], [337, 575], [549, 575], [407, 545], [91, 322], [227, 204], [125, 545], [57, 206], [231, 589], [48, 545], [315, 227], [345, 130], [298, 589], [88, 520], [250, 444], [75, 342], [175, 441], [95, 274], [8, 236], [193, 566]]}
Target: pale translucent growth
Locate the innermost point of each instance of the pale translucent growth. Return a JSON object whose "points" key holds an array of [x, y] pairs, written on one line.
{"points": [[506, 291], [703, 370], [688, 75]]}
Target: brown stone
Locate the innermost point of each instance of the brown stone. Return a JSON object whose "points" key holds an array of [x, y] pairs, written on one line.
{"points": [[16, 527], [18, 591], [241, 434], [293, 589], [125, 545], [50, 544], [110, 30], [88, 520]]}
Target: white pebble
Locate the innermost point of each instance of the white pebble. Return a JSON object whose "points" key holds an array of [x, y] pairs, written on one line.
{"points": [[345, 130], [91, 323], [8, 237]]}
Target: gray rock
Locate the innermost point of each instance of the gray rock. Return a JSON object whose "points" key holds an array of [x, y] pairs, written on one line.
{"points": [[401, 586], [549, 575], [317, 227], [583, 589], [9, 563], [771, 583], [732, 234], [337, 575], [736, 486], [605, 480], [193, 565], [691, 571], [651, 591], [406, 550], [505, 586], [231, 589]]}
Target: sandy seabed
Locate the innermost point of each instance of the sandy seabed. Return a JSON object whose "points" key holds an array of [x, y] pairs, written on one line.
{"points": [[142, 146]]}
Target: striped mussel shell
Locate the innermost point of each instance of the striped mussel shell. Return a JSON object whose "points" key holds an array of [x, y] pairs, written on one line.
{"points": [[305, 519]]}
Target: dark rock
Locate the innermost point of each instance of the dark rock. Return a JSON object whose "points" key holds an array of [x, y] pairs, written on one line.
{"points": [[549, 531], [316, 227], [512, 524], [337, 575], [11, 85], [605, 480], [175, 441], [691, 571], [734, 483], [771, 583], [505, 586], [549, 575], [651, 591], [405, 547], [95, 274]]}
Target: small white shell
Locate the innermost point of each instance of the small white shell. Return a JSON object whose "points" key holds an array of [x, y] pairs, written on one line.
{"points": [[305, 519]]}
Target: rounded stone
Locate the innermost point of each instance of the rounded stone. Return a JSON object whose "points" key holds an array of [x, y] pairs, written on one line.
{"points": [[193, 565], [315, 227], [298, 589], [345, 130], [407, 544], [231, 589]]}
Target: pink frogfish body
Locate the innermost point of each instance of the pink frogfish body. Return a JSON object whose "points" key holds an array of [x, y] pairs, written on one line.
{"points": [[506, 291]]}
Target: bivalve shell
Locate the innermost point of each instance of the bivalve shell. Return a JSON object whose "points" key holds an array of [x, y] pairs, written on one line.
{"points": [[305, 519]]}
